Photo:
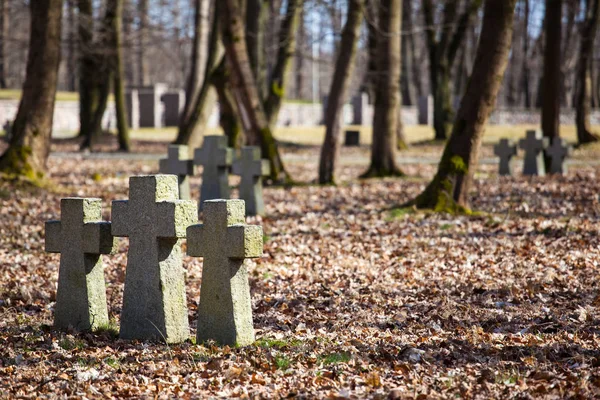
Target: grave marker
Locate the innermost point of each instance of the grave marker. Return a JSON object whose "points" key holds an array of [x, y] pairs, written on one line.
{"points": [[154, 304], [225, 309], [506, 150], [252, 168], [352, 138], [81, 237], [534, 144], [178, 163], [558, 152], [216, 158]]}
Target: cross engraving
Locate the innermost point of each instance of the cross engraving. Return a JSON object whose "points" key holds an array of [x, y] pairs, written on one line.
{"points": [[81, 238], [178, 163], [252, 168], [534, 145], [225, 310], [154, 304], [506, 150], [216, 158], [558, 152]]}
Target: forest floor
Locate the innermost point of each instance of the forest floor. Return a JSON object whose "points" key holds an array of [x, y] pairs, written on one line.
{"points": [[353, 297]]}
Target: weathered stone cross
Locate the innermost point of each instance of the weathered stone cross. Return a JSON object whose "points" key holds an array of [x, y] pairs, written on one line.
{"points": [[534, 145], [81, 237], [178, 163], [216, 158], [558, 152], [154, 305], [252, 168], [225, 310], [506, 149]]}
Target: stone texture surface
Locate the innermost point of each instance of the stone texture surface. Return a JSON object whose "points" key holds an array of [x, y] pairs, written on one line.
{"points": [[80, 238], [225, 309], [352, 138], [534, 144], [251, 168], [216, 159], [154, 303], [505, 150], [558, 152], [178, 163]]}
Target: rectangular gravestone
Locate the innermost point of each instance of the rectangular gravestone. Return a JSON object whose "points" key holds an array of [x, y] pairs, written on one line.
{"points": [[352, 138], [360, 103], [173, 101], [225, 308], [155, 220], [251, 168], [81, 237]]}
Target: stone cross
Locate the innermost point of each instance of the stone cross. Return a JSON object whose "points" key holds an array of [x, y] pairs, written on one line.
{"points": [[225, 310], [534, 145], [251, 168], [154, 304], [557, 153], [506, 149], [216, 158], [81, 238], [178, 163]]}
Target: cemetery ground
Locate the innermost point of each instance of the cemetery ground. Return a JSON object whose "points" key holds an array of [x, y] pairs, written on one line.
{"points": [[353, 297]]}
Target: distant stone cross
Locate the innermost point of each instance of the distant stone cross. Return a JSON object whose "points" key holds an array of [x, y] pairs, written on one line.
{"points": [[178, 163], [216, 158], [534, 145], [81, 237], [225, 310], [558, 152], [154, 304], [506, 150], [252, 168]]}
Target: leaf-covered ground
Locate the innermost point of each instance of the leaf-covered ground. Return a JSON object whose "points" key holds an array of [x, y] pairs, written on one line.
{"points": [[350, 299]]}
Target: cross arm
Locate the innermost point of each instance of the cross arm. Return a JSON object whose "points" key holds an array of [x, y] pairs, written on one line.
{"points": [[195, 240], [245, 241], [98, 239], [53, 237], [174, 216]]}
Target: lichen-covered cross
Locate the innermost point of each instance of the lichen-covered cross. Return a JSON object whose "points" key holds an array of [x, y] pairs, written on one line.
{"points": [[534, 144], [216, 158], [252, 168], [225, 310], [81, 237], [155, 220], [558, 152], [178, 163], [505, 150]]}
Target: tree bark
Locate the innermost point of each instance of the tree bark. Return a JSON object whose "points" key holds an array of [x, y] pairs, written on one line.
{"points": [[387, 92], [118, 75], [32, 129], [88, 90], [257, 16], [229, 114], [246, 93], [552, 71], [344, 68], [449, 189], [4, 29], [406, 82], [442, 54], [525, 73], [143, 75], [71, 47], [584, 78], [287, 48]]}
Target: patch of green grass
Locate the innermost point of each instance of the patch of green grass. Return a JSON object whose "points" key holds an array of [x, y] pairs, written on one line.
{"points": [[266, 238], [267, 275], [112, 362], [397, 213], [268, 343], [335, 358], [111, 328], [282, 362], [71, 344], [445, 227]]}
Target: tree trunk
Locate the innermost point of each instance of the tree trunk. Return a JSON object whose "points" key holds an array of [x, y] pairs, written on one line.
{"points": [[71, 70], [192, 126], [229, 114], [118, 75], [584, 78], [406, 82], [449, 189], [525, 76], [287, 48], [32, 129], [246, 93], [257, 19], [88, 91], [143, 75], [387, 92], [129, 55], [300, 48], [4, 29], [552, 72], [344, 68]]}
